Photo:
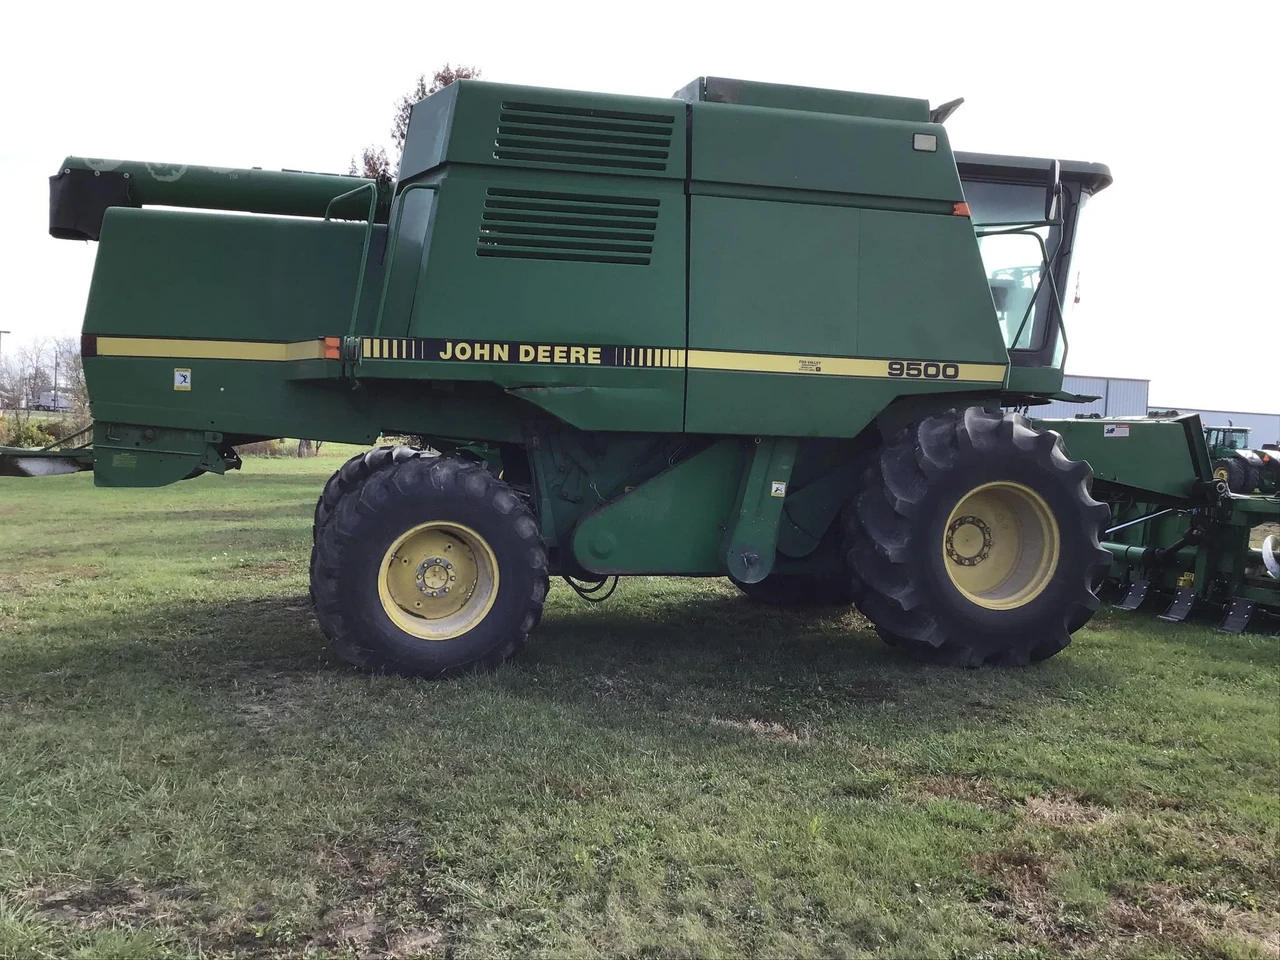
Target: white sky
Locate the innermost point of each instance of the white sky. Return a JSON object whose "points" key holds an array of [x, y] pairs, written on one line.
{"points": [[1178, 261]]}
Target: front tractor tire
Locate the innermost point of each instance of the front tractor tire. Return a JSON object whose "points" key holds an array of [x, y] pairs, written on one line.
{"points": [[974, 540], [426, 566]]}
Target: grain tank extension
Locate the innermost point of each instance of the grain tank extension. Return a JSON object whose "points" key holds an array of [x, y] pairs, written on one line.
{"points": [[754, 331]]}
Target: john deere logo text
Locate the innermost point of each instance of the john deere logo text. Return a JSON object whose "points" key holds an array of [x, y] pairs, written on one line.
{"points": [[513, 351], [502, 352]]}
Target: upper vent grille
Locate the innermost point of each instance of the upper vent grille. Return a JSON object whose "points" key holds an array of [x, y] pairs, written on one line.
{"points": [[535, 225], [577, 137]]}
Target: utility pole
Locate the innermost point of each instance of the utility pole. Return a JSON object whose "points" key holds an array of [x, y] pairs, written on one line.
{"points": [[2, 333]]}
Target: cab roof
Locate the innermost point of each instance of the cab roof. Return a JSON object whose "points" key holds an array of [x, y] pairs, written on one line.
{"points": [[1093, 176]]}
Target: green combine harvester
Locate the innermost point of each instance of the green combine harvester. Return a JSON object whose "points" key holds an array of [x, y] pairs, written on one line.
{"points": [[755, 331]]}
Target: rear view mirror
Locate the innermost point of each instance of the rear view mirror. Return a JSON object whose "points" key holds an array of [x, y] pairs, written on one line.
{"points": [[1053, 191]]}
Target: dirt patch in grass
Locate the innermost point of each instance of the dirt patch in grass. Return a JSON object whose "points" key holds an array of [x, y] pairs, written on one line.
{"points": [[1167, 913], [764, 729], [100, 906], [968, 789], [271, 570], [1017, 889], [63, 575], [1064, 811], [268, 700], [620, 686], [378, 899], [11, 585], [1014, 886], [217, 513], [387, 901], [364, 933], [370, 925]]}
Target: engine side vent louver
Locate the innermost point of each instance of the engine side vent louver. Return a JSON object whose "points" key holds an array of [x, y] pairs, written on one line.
{"points": [[577, 137], [536, 225]]}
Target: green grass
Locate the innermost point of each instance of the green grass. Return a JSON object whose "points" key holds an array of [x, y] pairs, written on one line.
{"points": [[675, 773]]}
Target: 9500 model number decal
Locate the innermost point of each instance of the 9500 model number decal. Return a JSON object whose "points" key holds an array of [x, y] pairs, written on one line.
{"points": [[860, 367], [927, 370]]}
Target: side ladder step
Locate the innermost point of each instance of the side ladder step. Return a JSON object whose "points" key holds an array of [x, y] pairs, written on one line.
{"points": [[1181, 606], [1137, 593], [1237, 617]]}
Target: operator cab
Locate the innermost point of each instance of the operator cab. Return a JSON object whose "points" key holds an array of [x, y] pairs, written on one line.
{"points": [[1227, 438], [1025, 212]]}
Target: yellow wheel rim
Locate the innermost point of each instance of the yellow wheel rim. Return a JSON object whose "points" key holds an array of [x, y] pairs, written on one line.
{"points": [[1000, 545], [438, 580], [1222, 473]]}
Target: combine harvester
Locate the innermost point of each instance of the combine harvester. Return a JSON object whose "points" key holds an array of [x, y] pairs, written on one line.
{"points": [[754, 331]]}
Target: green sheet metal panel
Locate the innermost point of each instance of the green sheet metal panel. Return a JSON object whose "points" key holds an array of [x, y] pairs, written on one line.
{"points": [[631, 400], [557, 260], [796, 405], [565, 131], [784, 96], [1162, 457], [1042, 381], [769, 277], [821, 151], [231, 396], [801, 315], [162, 273], [522, 256], [922, 290], [670, 525]]}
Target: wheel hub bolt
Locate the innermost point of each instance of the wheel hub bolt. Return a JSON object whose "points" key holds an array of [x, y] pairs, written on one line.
{"points": [[969, 541], [434, 576]]}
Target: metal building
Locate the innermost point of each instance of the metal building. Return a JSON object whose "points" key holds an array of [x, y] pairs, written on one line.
{"points": [[1263, 427], [1118, 397], [1126, 397]]}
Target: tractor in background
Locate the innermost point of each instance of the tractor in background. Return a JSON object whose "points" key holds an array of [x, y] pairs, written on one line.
{"points": [[1244, 469]]}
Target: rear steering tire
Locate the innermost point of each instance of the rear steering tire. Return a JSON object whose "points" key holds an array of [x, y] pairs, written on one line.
{"points": [[427, 566], [974, 540], [351, 474]]}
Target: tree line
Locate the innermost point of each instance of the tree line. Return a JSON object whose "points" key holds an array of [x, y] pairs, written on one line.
{"points": [[39, 368], [374, 163]]}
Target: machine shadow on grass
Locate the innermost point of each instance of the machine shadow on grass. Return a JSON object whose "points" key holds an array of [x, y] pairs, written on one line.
{"points": [[692, 658]]}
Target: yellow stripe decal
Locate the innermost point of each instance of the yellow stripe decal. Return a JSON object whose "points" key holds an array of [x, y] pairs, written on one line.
{"points": [[387, 348], [209, 349], [845, 366]]}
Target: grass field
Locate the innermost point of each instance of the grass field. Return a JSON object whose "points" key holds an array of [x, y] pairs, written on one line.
{"points": [[674, 773]]}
